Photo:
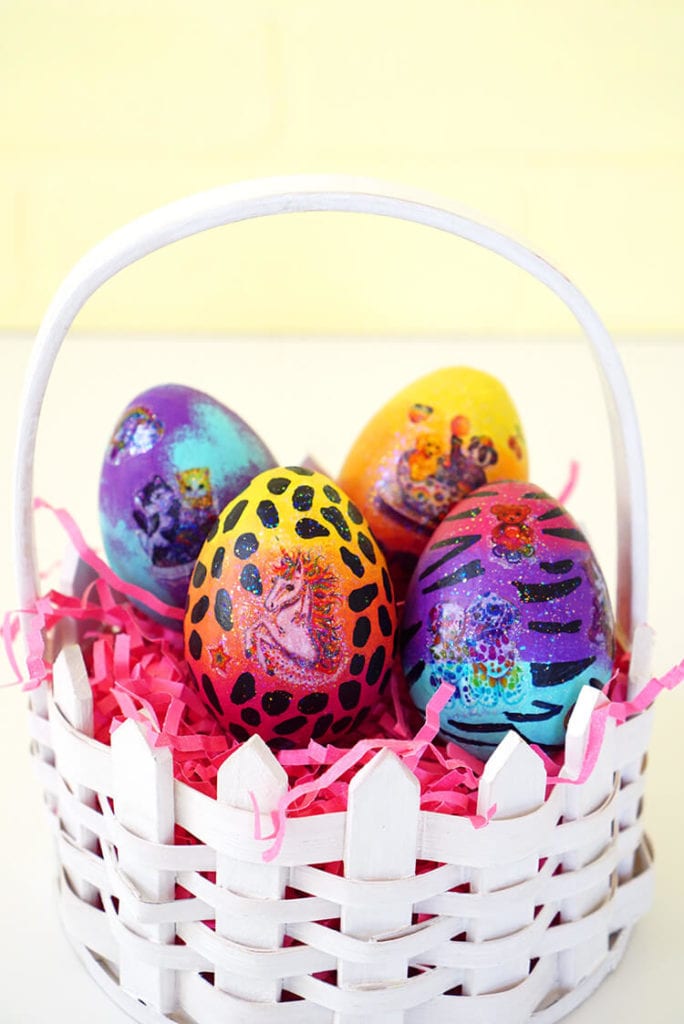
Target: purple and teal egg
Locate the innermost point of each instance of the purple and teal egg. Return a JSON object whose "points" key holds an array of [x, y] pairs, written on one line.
{"points": [[175, 458], [508, 606]]}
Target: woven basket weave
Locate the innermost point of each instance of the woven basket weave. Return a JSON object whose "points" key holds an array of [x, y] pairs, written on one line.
{"points": [[432, 920]]}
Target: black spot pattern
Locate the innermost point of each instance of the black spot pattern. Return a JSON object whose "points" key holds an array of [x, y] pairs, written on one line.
{"points": [[309, 528], [250, 579], [366, 546], [195, 645], [353, 513], [217, 563], [322, 726], [362, 629], [276, 702], [302, 498], [385, 680], [352, 561], [362, 597], [375, 666], [239, 732], [200, 609], [290, 725], [356, 664], [278, 484], [313, 703], [334, 516], [268, 514], [246, 545], [342, 724], [281, 743], [331, 494], [384, 620], [251, 716], [349, 693], [223, 609], [199, 575], [233, 516], [361, 717], [212, 697], [244, 688]]}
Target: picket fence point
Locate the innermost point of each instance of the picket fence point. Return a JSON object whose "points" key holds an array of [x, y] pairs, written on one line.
{"points": [[250, 773], [144, 805]]}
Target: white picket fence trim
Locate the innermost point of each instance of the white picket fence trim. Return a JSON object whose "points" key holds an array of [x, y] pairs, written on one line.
{"points": [[517, 921], [251, 769]]}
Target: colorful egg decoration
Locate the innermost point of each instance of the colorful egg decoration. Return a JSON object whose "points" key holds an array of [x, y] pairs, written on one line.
{"points": [[509, 607], [290, 624], [175, 458], [434, 442]]}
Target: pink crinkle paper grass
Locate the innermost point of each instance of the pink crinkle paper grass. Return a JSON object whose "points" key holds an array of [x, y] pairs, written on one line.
{"points": [[137, 670]]}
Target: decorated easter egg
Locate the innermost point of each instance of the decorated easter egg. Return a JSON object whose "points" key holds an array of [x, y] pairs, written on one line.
{"points": [[508, 606], [175, 458], [434, 442], [290, 624]]}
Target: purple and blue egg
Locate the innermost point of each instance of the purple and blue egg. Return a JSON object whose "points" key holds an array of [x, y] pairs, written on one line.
{"points": [[175, 459], [508, 606]]}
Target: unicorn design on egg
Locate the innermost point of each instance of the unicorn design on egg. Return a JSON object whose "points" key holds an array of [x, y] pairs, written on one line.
{"points": [[296, 633]]}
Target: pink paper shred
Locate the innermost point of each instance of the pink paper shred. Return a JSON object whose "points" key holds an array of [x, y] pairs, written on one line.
{"points": [[137, 670], [571, 483]]}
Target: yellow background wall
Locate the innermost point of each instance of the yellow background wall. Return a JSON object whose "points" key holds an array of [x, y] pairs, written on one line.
{"points": [[563, 122]]}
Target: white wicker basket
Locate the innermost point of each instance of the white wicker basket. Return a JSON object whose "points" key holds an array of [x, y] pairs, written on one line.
{"points": [[519, 921]]}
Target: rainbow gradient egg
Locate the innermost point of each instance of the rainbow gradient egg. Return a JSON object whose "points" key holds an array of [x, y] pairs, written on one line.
{"points": [[290, 624]]}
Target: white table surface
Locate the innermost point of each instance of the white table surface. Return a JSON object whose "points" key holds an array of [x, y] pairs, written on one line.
{"points": [[313, 396]]}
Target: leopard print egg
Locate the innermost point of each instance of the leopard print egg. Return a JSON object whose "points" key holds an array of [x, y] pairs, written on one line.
{"points": [[290, 623], [508, 606]]}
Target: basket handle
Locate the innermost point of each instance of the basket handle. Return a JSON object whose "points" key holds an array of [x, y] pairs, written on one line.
{"points": [[262, 198]]}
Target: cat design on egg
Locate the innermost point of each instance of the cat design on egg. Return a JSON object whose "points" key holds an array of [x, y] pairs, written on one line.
{"points": [[175, 458]]}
